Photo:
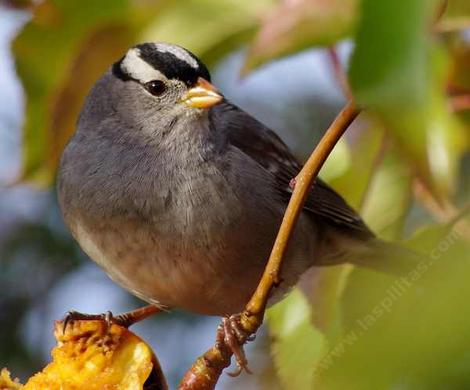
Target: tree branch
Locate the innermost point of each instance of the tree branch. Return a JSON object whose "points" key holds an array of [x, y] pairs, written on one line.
{"points": [[204, 373]]}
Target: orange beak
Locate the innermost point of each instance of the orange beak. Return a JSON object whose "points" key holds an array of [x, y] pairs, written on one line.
{"points": [[202, 95]]}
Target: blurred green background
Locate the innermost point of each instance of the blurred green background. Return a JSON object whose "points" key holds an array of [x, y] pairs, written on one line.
{"points": [[405, 164]]}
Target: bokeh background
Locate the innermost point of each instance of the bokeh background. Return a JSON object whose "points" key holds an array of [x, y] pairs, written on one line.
{"points": [[405, 164]]}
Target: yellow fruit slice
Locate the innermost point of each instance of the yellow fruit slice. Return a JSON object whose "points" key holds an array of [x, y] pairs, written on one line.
{"points": [[90, 356]]}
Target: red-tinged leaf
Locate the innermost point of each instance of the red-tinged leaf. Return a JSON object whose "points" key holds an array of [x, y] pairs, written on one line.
{"points": [[297, 25]]}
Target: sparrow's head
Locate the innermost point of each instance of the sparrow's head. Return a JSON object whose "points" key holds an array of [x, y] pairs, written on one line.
{"points": [[170, 73], [153, 87]]}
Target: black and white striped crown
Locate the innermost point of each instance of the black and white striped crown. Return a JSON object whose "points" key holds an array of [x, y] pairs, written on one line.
{"points": [[151, 61]]}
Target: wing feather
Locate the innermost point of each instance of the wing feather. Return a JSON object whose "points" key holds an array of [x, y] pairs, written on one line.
{"points": [[268, 150]]}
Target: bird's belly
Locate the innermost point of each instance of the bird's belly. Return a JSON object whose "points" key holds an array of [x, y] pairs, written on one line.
{"points": [[213, 276]]}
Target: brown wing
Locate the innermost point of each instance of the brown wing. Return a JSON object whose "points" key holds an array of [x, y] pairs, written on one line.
{"points": [[266, 148]]}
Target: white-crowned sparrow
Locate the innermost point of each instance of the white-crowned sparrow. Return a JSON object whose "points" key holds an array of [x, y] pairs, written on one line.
{"points": [[178, 194]]}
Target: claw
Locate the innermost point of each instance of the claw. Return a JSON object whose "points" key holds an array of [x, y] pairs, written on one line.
{"points": [[73, 315], [234, 338], [109, 319], [66, 321], [251, 338], [237, 371]]}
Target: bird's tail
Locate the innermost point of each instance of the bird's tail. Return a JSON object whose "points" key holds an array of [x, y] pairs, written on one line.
{"points": [[386, 257], [369, 252]]}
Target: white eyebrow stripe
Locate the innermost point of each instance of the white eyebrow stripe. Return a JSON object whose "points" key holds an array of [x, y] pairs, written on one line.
{"points": [[178, 52], [138, 69]]}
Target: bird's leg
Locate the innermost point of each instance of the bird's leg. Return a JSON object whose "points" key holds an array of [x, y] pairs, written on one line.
{"points": [[125, 319], [131, 317], [234, 338]]}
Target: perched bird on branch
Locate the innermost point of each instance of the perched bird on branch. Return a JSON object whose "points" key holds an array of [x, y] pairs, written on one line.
{"points": [[178, 194]]}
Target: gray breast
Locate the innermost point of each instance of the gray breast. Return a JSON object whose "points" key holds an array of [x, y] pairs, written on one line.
{"points": [[180, 229]]}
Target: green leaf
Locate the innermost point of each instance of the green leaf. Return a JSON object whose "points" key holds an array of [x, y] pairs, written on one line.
{"points": [[388, 198], [365, 153], [296, 25], [296, 344], [323, 288], [397, 72], [338, 161], [390, 56], [209, 28], [410, 332]]}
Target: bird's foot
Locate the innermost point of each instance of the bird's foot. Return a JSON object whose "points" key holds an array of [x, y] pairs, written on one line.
{"points": [[125, 319], [234, 338]]}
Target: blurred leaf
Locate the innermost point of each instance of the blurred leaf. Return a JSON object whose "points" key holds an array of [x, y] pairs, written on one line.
{"points": [[391, 36], [398, 74], [338, 161], [296, 343], [295, 25], [365, 153], [59, 54], [425, 238], [92, 58], [459, 77], [388, 198], [410, 332], [323, 288], [218, 28], [378, 182], [456, 16]]}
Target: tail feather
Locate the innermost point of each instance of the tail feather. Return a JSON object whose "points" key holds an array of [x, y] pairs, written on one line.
{"points": [[336, 247], [386, 257]]}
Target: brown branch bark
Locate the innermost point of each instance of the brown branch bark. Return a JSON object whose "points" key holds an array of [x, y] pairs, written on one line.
{"points": [[205, 372]]}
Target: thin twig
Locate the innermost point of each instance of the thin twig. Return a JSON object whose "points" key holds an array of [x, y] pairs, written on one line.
{"points": [[204, 373], [340, 74]]}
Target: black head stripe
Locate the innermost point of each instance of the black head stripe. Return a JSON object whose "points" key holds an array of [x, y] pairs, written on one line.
{"points": [[172, 66], [119, 73]]}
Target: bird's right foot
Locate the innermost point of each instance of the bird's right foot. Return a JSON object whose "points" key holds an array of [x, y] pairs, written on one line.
{"points": [[235, 338]]}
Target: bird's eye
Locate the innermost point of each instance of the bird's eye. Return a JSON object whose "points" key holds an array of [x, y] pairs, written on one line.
{"points": [[155, 87]]}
